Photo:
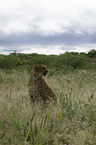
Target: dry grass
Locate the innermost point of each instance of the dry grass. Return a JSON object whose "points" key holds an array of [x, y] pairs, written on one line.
{"points": [[71, 121]]}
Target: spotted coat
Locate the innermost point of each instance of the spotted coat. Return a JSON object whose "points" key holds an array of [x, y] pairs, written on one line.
{"points": [[38, 89]]}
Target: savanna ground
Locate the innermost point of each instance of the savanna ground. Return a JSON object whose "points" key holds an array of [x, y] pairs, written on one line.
{"points": [[72, 121]]}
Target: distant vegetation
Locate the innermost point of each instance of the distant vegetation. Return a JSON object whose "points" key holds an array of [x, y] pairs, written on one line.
{"points": [[67, 61]]}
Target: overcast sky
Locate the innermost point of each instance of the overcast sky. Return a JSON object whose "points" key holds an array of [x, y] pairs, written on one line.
{"points": [[47, 26]]}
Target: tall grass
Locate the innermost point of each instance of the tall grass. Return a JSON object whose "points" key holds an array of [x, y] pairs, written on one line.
{"points": [[72, 121]]}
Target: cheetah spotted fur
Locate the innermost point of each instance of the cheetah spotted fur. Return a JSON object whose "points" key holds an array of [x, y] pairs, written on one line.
{"points": [[38, 89]]}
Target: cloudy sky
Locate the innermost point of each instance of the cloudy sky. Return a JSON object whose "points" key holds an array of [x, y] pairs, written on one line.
{"points": [[47, 26]]}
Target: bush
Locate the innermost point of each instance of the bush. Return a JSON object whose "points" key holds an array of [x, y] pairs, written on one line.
{"points": [[9, 62], [92, 53], [74, 61]]}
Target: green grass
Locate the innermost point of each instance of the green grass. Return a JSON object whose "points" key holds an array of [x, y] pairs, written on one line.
{"points": [[72, 121]]}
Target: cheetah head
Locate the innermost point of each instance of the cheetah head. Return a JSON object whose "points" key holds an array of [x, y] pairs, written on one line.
{"points": [[41, 69]]}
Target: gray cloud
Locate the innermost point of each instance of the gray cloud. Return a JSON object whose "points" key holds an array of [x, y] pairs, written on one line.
{"points": [[30, 42], [31, 38]]}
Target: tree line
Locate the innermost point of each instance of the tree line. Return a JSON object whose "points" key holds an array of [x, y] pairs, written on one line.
{"points": [[72, 60]]}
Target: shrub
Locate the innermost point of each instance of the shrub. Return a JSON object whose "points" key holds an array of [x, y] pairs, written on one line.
{"points": [[9, 62], [92, 53]]}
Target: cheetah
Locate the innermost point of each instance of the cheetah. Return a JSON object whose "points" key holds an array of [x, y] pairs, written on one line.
{"points": [[38, 89]]}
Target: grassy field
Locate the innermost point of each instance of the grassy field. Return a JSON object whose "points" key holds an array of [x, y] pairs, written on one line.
{"points": [[72, 121]]}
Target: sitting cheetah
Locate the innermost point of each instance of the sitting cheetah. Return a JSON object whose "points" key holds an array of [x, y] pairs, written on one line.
{"points": [[38, 89]]}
